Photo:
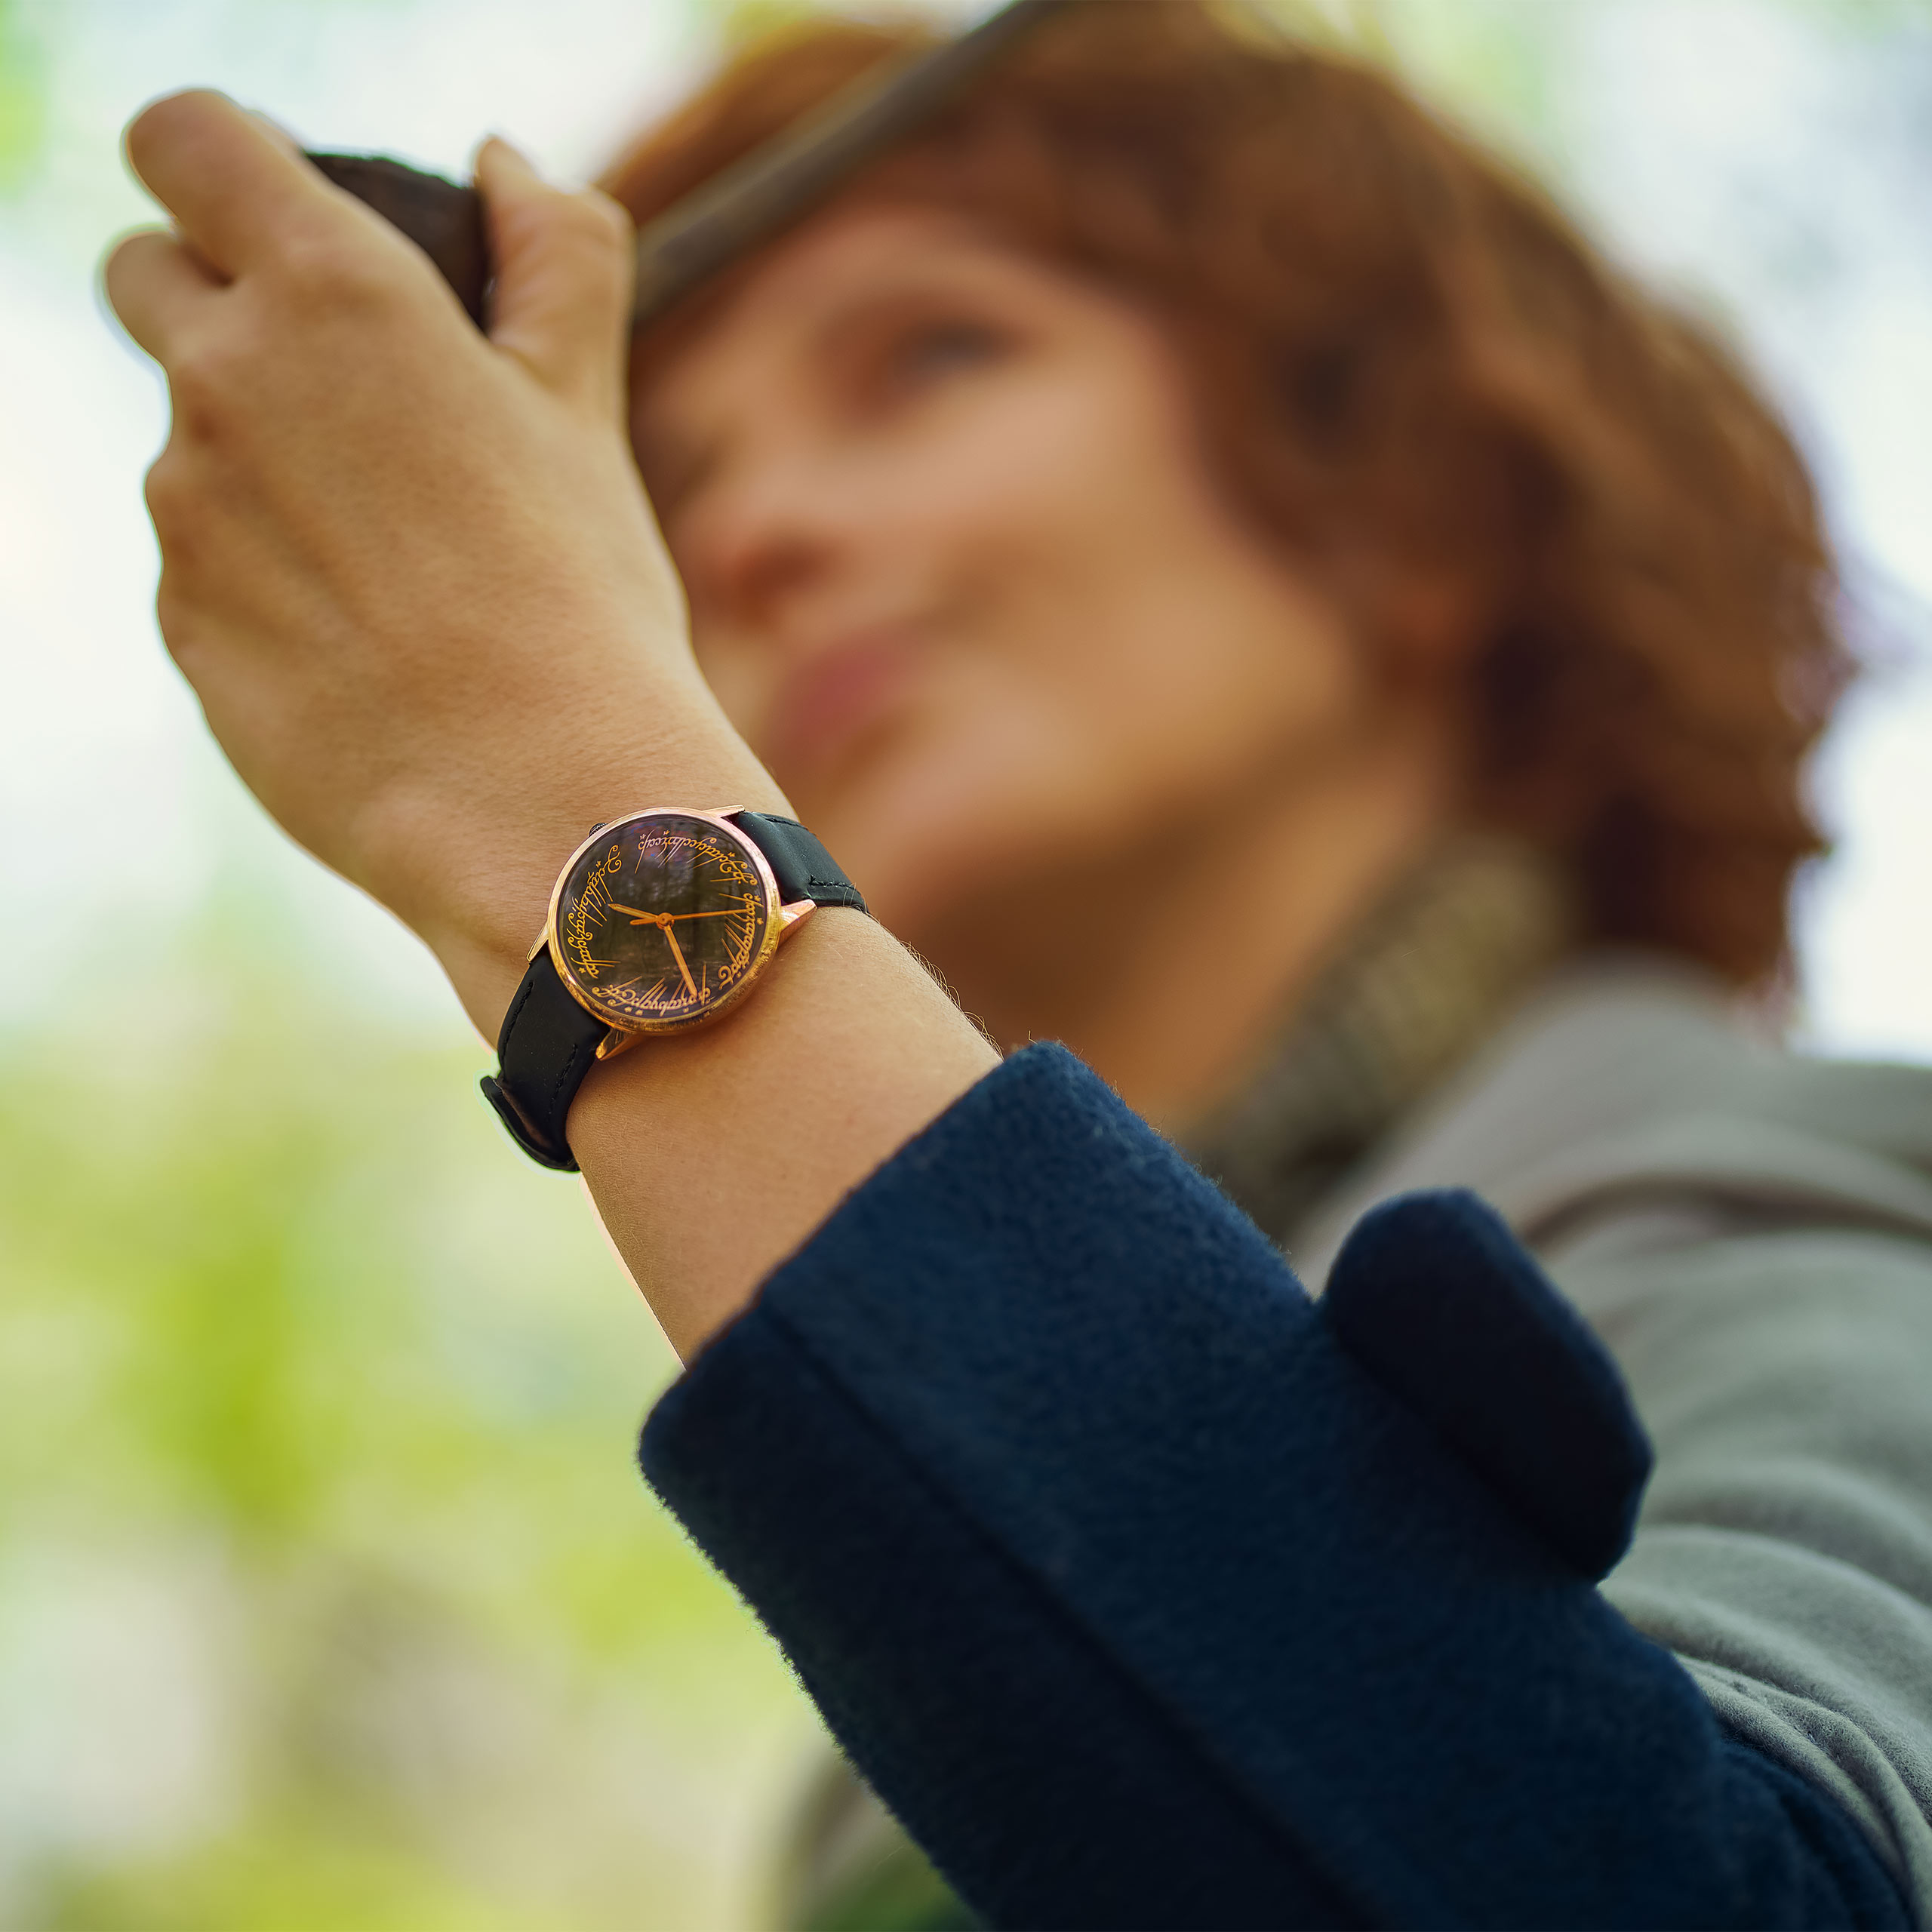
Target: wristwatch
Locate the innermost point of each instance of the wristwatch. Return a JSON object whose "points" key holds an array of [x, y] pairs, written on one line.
{"points": [[660, 923]]}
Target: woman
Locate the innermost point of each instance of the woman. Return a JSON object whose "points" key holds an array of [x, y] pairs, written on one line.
{"points": [[1190, 478], [1249, 596]]}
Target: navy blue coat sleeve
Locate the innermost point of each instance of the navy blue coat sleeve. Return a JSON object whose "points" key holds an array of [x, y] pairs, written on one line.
{"points": [[1148, 1592]]}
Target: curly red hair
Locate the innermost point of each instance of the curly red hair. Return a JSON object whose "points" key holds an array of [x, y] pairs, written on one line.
{"points": [[1404, 354]]}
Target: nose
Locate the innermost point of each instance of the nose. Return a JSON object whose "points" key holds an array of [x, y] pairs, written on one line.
{"points": [[772, 533]]}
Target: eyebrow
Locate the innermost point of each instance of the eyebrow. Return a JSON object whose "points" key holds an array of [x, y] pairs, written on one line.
{"points": [[903, 287], [838, 310], [684, 463]]}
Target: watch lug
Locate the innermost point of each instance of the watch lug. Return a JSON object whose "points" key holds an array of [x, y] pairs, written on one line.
{"points": [[615, 1042], [537, 945], [792, 917]]}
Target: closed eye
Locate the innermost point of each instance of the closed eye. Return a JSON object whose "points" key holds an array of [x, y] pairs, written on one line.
{"points": [[923, 354], [936, 347]]}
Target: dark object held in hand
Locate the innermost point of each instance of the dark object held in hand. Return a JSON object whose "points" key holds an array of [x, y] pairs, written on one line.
{"points": [[769, 189], [444, 221]]}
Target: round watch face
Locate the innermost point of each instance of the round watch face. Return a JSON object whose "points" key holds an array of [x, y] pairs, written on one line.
{"points": [[661, 921]]}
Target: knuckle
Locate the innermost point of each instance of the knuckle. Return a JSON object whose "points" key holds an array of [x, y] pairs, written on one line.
{"points": [[175, 506], [308, 266], [162, 489], [124, 258], [202, 379], [319, 270], [178, 619], [171, 612], [591, 226], [607, 219]]}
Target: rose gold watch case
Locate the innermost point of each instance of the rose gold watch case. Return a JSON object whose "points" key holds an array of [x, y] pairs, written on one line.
{"points": [[781, 920]]}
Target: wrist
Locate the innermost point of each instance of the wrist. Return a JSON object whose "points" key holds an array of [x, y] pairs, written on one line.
{"points": [[494, 878], [664, 921]]}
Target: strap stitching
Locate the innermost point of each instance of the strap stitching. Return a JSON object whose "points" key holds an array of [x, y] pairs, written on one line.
{"points": [[576, 1053], [517, 1005]]}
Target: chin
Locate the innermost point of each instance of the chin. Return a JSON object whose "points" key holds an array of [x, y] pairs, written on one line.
{"points": [[918, 868], [932, 840]]}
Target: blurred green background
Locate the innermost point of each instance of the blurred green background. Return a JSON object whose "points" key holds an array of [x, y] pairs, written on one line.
{"points": [[329, 1595]]}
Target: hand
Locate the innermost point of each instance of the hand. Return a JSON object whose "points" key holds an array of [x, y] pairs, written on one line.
{"points": [[410, 572]]}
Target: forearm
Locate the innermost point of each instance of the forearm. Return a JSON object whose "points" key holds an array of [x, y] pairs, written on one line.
{"points": [[414, 581], [712, 1156]]}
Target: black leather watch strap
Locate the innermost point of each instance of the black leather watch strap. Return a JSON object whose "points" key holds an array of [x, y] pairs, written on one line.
{"points": [[546, 1046], [803, 868], [549, 1042]]}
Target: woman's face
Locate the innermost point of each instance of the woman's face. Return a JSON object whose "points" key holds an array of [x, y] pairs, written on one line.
{"points": [[958, 570]]}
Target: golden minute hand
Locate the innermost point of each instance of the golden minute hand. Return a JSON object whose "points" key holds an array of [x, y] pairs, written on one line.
{"points": [[640, 917], [677, 953]]}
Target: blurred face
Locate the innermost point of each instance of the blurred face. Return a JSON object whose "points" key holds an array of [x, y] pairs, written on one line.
{"points": [[958, 571]]}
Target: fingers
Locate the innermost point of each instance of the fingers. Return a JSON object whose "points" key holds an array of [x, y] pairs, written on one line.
{"points": [[563, 266], [235, 184], [154, 285]]}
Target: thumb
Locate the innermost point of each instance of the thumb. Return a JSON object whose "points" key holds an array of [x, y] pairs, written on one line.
{"points": [[563, 265]]}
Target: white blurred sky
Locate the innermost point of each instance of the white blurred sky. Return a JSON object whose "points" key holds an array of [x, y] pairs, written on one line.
{"points": [[1771, 157]]}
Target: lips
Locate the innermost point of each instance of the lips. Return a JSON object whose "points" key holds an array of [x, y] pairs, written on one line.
{"points": [[832, 700]]}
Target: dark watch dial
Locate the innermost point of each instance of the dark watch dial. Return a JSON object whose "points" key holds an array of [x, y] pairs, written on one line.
{"points": [[661, 921]]}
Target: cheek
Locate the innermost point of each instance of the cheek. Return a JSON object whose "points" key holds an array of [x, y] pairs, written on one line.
{"points": [[1098, 718], [1144, 648], [1177, 644]]}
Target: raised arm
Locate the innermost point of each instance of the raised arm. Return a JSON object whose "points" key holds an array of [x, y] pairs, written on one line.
{"points": [[413, 577]]}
